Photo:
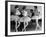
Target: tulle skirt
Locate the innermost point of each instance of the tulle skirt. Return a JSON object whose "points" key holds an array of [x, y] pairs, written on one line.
{"points": [[26, 19], [16, 18]]}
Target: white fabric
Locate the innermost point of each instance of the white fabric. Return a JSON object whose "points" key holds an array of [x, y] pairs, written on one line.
{"points": [[25, 13], [26, 19], [16, 18], [17, 12]]}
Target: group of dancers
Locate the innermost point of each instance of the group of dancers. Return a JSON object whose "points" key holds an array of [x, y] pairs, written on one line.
{"points": [[23, 16]]}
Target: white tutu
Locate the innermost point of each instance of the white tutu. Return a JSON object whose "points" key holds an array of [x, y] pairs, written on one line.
{"points": [[36, 17], [16, 18], [26, 19]]}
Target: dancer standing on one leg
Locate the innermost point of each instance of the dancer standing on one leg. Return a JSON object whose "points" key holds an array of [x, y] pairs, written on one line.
{"points": [[36, 13], [25, 17], [17, 12]]}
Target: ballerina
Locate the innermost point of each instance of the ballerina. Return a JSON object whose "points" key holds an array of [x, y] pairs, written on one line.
{"points": [[16, 17], [26, 19], [36, 16]]}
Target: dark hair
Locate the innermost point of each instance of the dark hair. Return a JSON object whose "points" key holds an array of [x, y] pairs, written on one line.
{"points": [[35, 7], [24, 7], [31, 10], [16, 6]]}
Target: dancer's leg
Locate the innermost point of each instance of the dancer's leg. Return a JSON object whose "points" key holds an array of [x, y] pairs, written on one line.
{"points": [[16, 27], [37, 26], [24, 27]]}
